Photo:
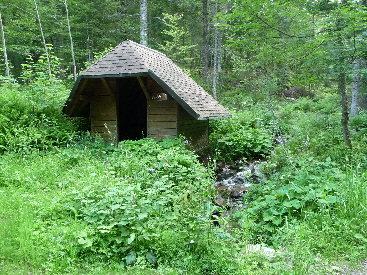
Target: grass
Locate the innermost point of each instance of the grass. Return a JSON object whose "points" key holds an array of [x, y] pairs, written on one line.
{"points": [[41, 224], [33, 241]]}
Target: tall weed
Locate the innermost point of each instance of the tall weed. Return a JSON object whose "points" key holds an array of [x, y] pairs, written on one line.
{"points": [[289, 195], [26, 125], [244, 136]]}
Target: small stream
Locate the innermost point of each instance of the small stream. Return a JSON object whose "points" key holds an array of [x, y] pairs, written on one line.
{"points": [[233, 182]]}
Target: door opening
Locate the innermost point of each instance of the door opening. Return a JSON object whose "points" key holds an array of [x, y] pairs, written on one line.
{"points": [[132, 109]]}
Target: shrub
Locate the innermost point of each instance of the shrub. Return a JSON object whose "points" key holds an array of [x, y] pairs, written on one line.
{"points": [[27, 125], [311, 186], [147, 188], [240, 137]]}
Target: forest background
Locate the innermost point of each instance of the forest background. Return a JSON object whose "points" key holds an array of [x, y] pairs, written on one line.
{"points": [[292, 73]]}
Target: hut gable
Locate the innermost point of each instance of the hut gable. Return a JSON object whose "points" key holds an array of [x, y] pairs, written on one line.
{"points": [[135, 91]]}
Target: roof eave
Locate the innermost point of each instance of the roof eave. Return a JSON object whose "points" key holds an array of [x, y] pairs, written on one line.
{"points": [[114, 75], [215, 117], [66, 109], [186, 106], [172, 93]]}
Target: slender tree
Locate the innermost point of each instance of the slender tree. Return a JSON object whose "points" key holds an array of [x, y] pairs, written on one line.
{"points": [[205, 38], [217, 49], [357, 76], [144, 22], [355, 87], [342, 77], [7, 71], [71, 40], [43, 36]]}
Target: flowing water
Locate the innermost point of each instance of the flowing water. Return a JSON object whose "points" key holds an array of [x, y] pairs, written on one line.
{"points": [[233, 182]]}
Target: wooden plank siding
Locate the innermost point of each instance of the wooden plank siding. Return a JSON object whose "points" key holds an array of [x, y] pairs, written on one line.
{"points": [[165, 118], [195, 131], [103, 112], [162, 119]]}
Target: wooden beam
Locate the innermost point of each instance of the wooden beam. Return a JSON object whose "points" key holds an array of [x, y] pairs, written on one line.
{"points": [[107, 86], [83, 83], [142, 85]]}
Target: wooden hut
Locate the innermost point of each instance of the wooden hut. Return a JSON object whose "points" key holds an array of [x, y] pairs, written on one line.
{"points": [[134, 92]]}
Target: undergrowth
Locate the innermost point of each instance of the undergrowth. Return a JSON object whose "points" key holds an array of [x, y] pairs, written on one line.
{"points": [[139, 204], [69, 204]]}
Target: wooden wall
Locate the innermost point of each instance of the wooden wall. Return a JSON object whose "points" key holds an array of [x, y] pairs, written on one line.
{"points": [[103, 111], [162, 114], [162, 119], [196, 131], [165, 118]]}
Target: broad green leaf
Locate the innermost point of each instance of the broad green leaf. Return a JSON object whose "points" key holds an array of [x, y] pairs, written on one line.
{"points": [[277, 220], [124, 231], [131, 258], [142, 215], [151, 258], [131, 238]]}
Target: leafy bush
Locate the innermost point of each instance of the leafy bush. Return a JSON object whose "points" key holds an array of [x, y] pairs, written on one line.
{"points": [[240, 137], [359, 123], [42, 81], [140, 205], [27, 125], [147, 188], [312, 128], [311, 186]]}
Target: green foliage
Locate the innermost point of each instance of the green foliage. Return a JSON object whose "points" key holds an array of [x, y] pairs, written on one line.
{"points": [[310, 187], [311, 127], [172, 46], [359, 123], [150, 187], [29, 122], [42, 79], [138, 206], [138, 202], [240, 137]]}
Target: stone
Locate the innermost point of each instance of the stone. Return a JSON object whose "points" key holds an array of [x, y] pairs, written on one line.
{"points": [[258, 248]]}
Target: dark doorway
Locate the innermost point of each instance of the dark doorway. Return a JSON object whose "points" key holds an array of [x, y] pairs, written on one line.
{"points": [[132, 109]]}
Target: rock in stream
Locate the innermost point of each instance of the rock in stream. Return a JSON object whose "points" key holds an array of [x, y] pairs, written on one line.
{"points": [[233, 182]]}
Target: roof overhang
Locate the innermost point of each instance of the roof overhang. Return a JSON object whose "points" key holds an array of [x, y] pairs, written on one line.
{"points": [[78, 89]]}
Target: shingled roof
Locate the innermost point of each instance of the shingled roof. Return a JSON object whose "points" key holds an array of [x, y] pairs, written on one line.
{"points": [[132, 59]]}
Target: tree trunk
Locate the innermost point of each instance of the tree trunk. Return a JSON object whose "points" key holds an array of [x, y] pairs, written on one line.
{"points": [[217, 51], [215, 55], [342, 82], [71, 40], [363, 87], [43, 37], [205, 40], [357, 79], [144, 22], [7, 71], [355, 88]]}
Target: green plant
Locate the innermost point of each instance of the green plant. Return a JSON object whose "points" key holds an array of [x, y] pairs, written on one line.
{"points": [[47, 90], [311, 186], [175, 33], [241, 137], [144, 187], [26, 125]]}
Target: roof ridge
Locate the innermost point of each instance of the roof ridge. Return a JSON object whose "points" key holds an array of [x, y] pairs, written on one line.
{"points": [[145, 47]]}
